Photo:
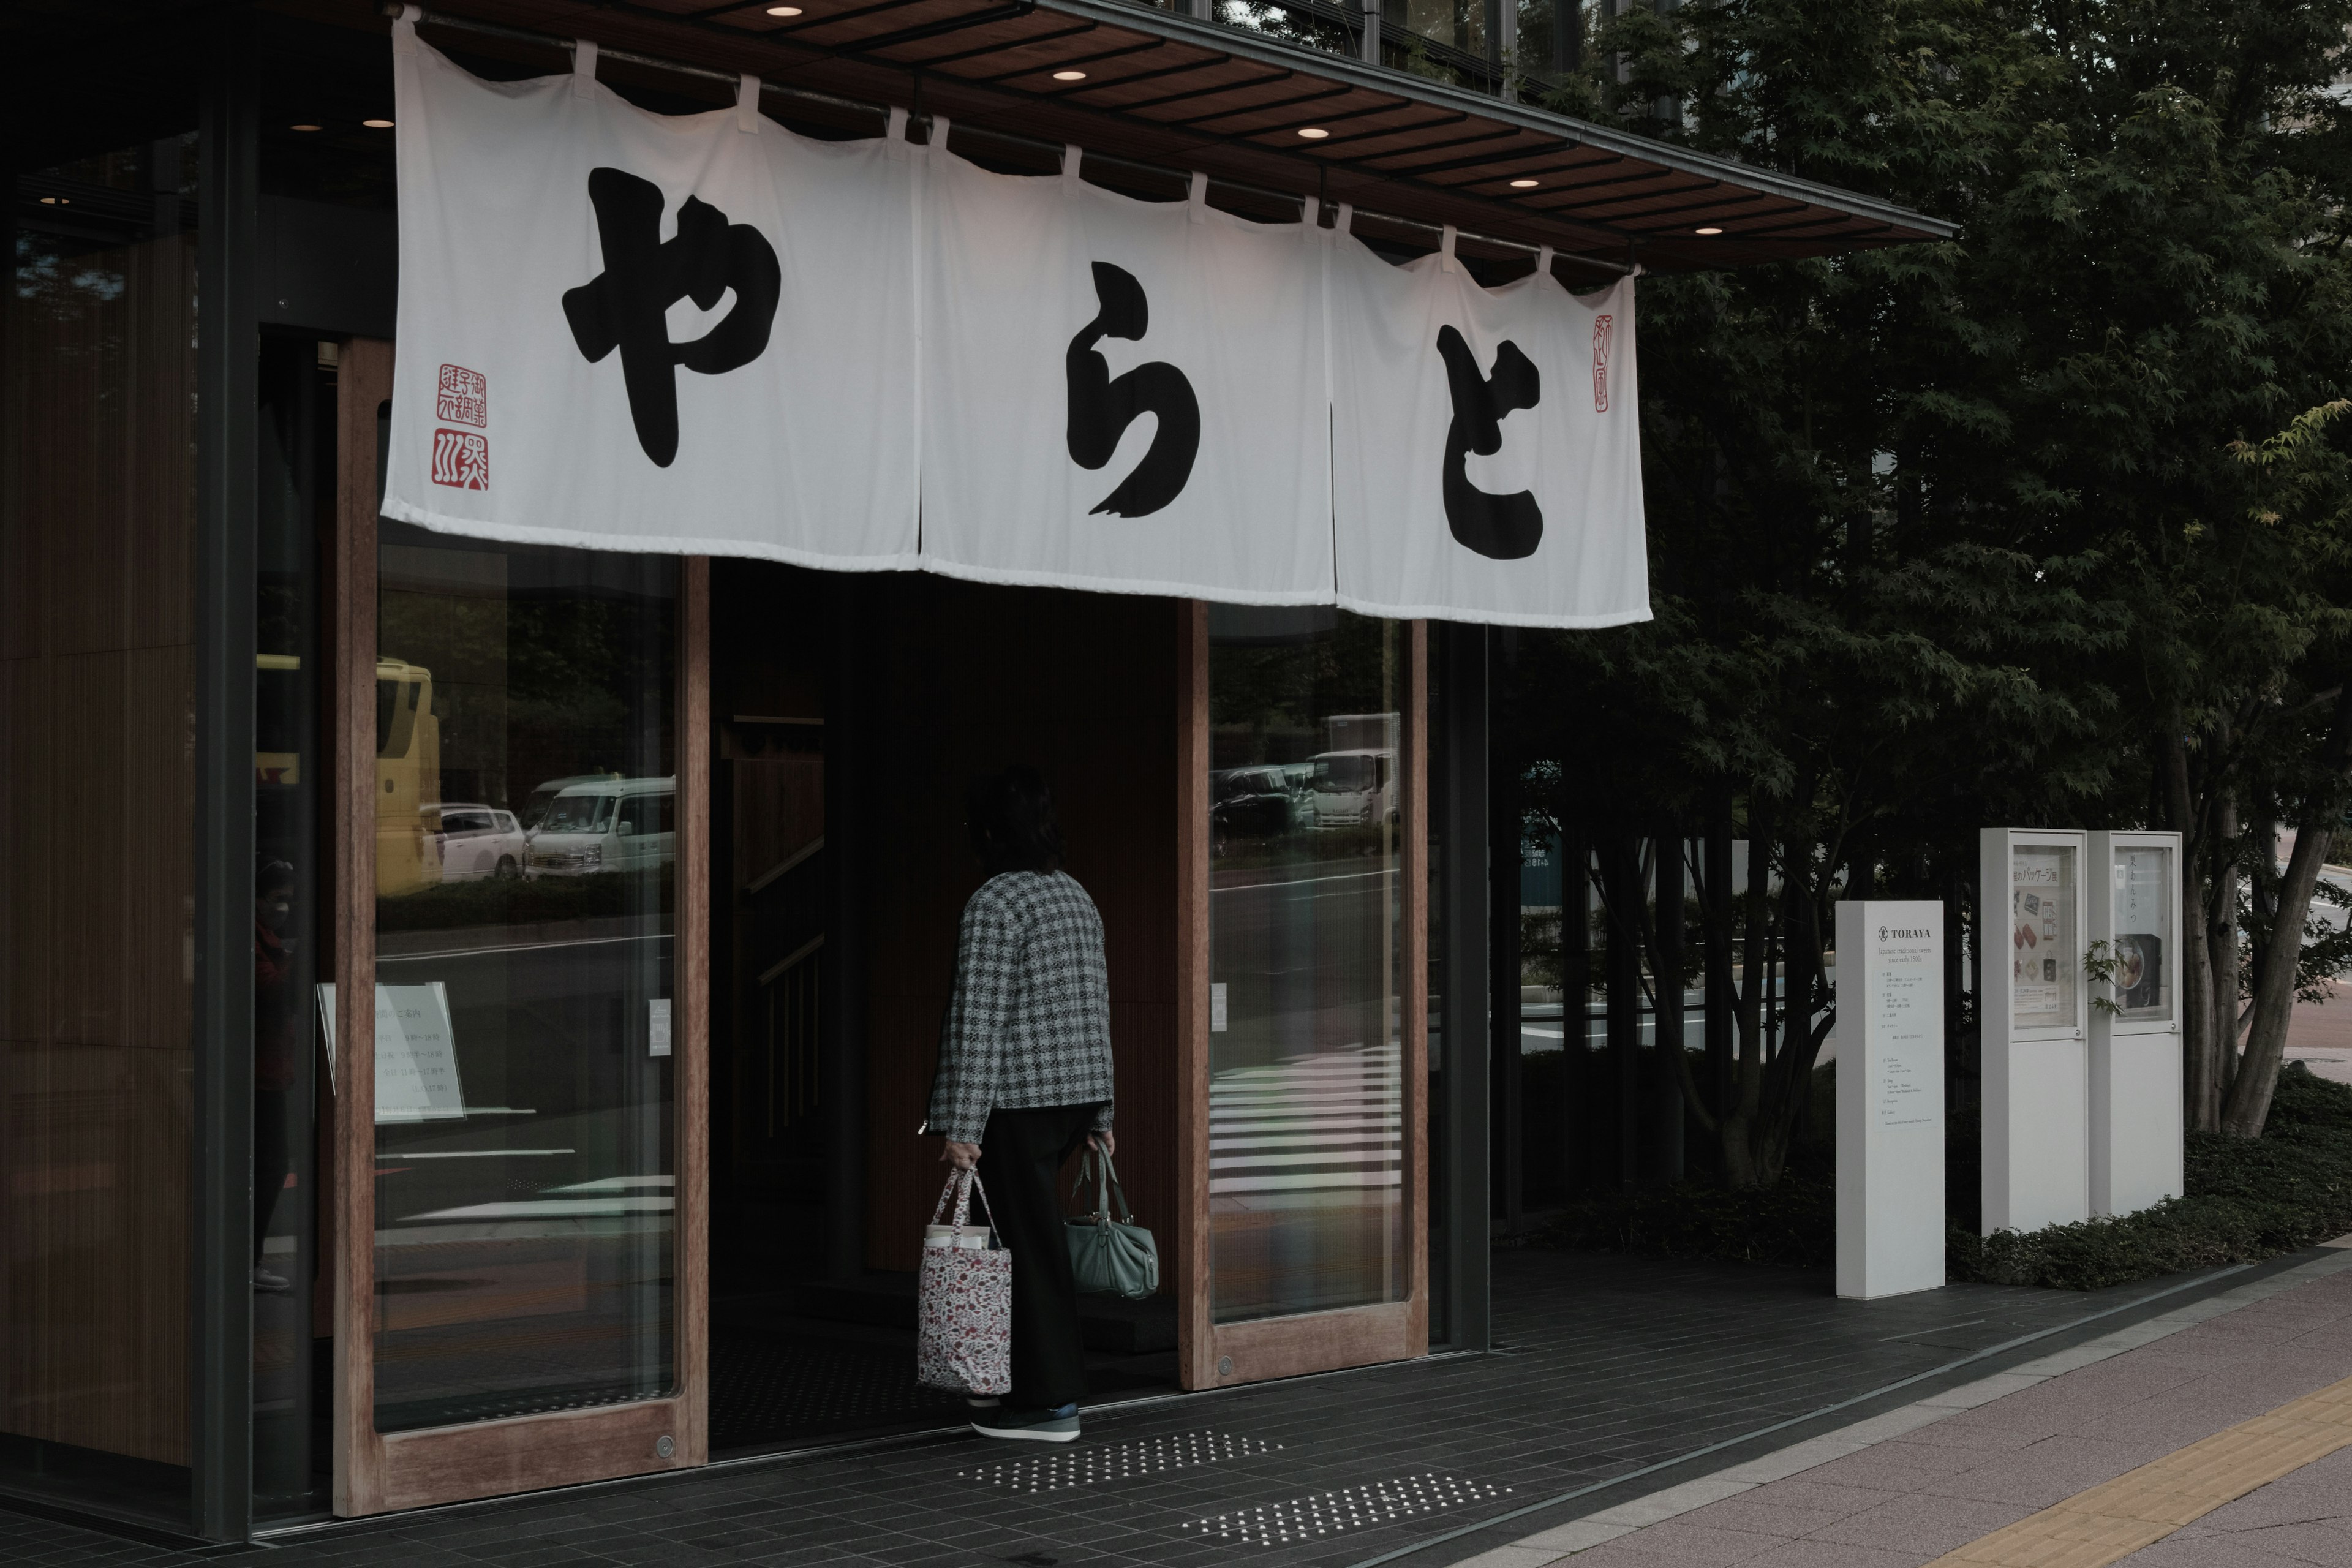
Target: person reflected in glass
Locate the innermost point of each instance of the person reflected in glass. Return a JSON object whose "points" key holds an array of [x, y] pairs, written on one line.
{"points": [[277, 1027], [1024, 1074]]}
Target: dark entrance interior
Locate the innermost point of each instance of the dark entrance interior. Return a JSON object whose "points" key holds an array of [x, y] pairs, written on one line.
{"points": [[848, 714]]}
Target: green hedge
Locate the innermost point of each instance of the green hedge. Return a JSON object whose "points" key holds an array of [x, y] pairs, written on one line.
{"points": [[492, 902], [2247, 1199]]}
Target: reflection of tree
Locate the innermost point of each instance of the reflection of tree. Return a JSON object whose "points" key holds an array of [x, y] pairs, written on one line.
{"points": [[1268, 704], [588, 686]]}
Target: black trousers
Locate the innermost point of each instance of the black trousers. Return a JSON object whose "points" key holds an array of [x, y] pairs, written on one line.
{"points": [[1022, 1154]]}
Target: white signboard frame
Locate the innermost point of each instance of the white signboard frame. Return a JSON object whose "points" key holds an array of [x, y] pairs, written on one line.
{"points": [[1890, 1096], [2136, 1111], [2033, 907]]}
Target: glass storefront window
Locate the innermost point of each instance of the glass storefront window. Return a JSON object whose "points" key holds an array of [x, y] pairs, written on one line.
{"points": [[2143, 928], [1306, 922], [2043, 939], [97, 524], [525, 850]]}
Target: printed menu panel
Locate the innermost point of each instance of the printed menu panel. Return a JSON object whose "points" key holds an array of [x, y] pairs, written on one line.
{"points": [[2143, 928], [2042, 939], [416, 1052], [1907, 1026]]}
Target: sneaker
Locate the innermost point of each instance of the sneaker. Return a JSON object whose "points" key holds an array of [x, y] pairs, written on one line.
{"points": [[271, 1284], [982, 1401], [1030, 1425]]}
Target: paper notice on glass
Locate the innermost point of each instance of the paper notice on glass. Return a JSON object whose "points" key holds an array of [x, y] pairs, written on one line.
{"points": [[2042, 938], [2143, 925], [416, 1052]]}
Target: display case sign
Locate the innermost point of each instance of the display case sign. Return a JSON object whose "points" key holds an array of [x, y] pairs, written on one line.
{"points": [[416, 1052], [2043, 939], [2143, 928]]}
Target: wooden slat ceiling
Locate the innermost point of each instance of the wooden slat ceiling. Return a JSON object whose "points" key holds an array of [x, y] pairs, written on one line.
{"points": [[1169, 89]]}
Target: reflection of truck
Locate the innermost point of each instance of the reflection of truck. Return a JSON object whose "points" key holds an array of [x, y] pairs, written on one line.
{"points": [[408, 777], [534, 810], [607, 824], [1355, 779], [1352, 788], [276, 720]]}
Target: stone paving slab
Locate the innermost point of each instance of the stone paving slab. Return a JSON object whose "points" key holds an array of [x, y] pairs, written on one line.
{"points": [[2257, 1365]]}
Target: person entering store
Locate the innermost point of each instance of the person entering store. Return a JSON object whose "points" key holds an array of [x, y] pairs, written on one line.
{"points": [[1024, 1074]]}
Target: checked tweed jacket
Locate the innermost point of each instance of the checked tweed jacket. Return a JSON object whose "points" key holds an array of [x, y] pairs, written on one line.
{"points": [[1029, 1024]]}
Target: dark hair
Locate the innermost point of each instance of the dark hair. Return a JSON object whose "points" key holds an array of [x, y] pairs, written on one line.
{"points": [[1011, 815], [270, 872]]}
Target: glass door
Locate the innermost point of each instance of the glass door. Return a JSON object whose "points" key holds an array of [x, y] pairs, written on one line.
{"points": [[519, 1078], [1309, 1242]]}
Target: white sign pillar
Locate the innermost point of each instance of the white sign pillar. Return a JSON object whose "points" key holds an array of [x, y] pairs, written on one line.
{"points": [[2034, 1011], [1890, 1096], [2136, 1111]]}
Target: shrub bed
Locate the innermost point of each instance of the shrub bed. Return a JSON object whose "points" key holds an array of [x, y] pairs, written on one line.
{"points": [[2247, 1199]]}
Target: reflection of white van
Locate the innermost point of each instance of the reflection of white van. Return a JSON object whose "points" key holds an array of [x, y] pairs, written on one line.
{"points": [[1354, 788], [606, 825]]}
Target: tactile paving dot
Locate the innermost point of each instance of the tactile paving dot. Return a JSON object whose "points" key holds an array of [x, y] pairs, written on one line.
{"points": [[1349, 1507], [1144, 1456]]}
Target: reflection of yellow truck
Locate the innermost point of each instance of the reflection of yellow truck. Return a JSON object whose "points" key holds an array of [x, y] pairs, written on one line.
{"points": [[407, 759], [408, 777]]}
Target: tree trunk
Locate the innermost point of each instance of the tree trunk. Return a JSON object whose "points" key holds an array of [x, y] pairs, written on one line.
{"points": [[2248, 1102]]}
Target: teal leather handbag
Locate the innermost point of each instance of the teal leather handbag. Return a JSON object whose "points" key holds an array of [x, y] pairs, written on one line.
{"points": [[1111, 1257]]}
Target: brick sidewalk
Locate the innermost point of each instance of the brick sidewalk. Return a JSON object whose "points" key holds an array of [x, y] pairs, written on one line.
{"points": [[1903, 1488], [1607, 1369]]}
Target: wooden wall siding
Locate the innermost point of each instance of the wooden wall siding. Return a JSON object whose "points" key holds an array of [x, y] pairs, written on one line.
{"points": [[363, 382], [968, 679], [690, 984], [1416, 989], [97, 800], [1188, 1249]]}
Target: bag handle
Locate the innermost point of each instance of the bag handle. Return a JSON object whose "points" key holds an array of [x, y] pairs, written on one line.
{"points": [[1107, 1187], [962, 1185]]}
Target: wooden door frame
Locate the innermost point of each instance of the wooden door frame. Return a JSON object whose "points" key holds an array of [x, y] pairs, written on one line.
{"points": [[1210, 1354], [377, 1472]]}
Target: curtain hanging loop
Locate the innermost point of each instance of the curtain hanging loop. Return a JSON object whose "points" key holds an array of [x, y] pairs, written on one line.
{"points": [[747, 104], [584, 67]]}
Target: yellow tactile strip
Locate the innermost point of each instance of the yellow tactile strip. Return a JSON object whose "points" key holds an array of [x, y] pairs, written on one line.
{"points": [[2114, 1519]]}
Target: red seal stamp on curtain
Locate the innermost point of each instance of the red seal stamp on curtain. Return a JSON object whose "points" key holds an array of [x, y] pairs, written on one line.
{"points": [[464, 397], [461, 459], [1604, 332]]}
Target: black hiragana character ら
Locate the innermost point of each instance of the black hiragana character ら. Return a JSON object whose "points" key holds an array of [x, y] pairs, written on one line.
{"points": [[624, 306], [1503, 527], [1101, 409]]}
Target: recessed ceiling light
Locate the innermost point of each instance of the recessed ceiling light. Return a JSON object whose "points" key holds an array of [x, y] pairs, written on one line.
{"points": [[1706, 231], [784, 10], [377, 124], [1524, 184], [1069, 76], [1315, 133], [303, 128], [56, 201]]}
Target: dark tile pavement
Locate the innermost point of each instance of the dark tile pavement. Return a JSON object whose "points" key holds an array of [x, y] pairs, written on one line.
{"points": [[1604, 1366]]}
